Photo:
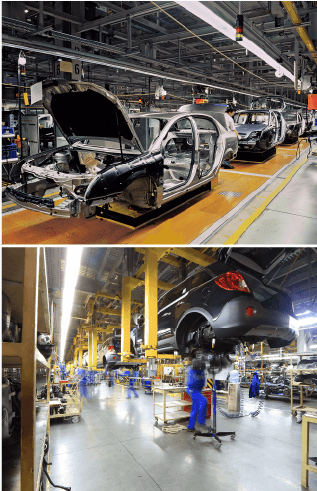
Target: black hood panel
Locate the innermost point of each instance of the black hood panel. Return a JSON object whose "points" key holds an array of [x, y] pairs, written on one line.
{"points": [[89, 114], [85, 110]]}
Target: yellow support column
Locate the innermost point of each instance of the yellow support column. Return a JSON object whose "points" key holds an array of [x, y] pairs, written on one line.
{"points": [[151, 296], [90, 347], [76, 350], [94, 347], [126, 318], [80, 355]]}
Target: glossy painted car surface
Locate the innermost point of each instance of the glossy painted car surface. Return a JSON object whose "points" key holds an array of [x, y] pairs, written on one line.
{"points": [[105, 161], [203, 314], [260, 129]]}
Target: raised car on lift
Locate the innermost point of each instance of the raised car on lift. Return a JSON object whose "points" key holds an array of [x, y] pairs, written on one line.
{"points": [[105, 161], [222, 305]]}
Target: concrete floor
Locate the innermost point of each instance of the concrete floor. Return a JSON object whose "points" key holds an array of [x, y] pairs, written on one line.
{"points": [[291, 217], [117, 447]]}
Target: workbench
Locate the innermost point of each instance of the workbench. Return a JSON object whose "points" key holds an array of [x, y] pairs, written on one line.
{"points": [[308, 418]]}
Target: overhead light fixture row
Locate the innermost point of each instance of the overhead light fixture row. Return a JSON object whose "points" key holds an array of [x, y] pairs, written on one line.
{"points": [[207, 15]]}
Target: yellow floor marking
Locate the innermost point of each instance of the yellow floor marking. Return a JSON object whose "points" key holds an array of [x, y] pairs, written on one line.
{"points": [[246, 224]]}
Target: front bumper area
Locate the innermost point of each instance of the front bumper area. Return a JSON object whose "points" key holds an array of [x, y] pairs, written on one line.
{"points": [[43, 205]]}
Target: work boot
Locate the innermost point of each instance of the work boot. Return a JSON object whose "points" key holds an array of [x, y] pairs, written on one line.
{"points": [[227, 166], [191, 429], [136, 397]]}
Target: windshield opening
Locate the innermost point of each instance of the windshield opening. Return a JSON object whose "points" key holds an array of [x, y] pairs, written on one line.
{"points": [[251, 118]]}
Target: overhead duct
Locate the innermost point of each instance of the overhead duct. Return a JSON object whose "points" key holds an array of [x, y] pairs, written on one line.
{"points": [[296, 19]]}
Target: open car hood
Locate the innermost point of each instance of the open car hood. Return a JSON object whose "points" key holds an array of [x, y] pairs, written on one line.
{"points": [[83, 110], [258, 261]]}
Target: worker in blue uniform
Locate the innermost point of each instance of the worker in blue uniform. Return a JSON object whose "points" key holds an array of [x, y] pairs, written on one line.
{"points": [[195, 384], [131, 386]]}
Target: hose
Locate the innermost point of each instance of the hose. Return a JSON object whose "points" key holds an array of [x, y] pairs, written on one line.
{"points": [[48, 477], [253, 414]]}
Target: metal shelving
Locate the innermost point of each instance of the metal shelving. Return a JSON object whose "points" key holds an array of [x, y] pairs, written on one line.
{"points": [[177, 404], [25, 283]]}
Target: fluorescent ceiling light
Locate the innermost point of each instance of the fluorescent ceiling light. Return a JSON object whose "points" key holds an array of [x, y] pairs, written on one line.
{"points": [[308, 321], [71, 274], [314, 346], [207, 15], [303, 313]]}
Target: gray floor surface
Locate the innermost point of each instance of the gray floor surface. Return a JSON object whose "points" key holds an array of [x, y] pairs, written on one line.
{"points": [[291, 217], [117, 447]]}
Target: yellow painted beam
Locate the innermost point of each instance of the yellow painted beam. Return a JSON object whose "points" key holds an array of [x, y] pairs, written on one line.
{"points": [[104, 310], [164, 286], [140, 271], [80, 356], [94, 347], [193, 255], [90, 347], [150, 302], [127, 286], [296, 19], [115, 297]]}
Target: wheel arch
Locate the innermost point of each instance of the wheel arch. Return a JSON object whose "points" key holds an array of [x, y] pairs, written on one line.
{"points": [[190, 322]]}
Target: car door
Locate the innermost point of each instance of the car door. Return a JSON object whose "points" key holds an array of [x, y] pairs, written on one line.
{"points": [[282, 127], [207, 137], [171, 309], [177, 145]]}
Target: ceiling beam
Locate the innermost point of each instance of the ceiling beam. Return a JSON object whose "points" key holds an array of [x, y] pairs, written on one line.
{"points": [[140, 10], [57, 14]]}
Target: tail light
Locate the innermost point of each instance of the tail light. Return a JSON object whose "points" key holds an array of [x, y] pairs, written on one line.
{"points": [[232, 281], [111, 348]]}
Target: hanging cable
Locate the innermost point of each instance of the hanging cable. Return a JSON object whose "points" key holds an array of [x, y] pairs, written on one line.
{"points": [[213, 47], [292, 265]]}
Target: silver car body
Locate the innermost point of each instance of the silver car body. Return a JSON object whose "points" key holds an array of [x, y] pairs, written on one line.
{"points": [[82, 171]]}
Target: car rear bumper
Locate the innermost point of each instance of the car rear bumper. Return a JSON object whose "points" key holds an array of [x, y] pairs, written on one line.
{"points": [[279, 328]]}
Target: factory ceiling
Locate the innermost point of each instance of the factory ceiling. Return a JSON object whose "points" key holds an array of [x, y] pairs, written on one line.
{"points": [[102, 270], [131, 47]]}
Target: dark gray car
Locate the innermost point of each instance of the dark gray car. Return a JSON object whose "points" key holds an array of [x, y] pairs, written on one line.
{"points": [[224, 304], [260, 129]]}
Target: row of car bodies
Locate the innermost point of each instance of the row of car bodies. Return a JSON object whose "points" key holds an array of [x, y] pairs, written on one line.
{"points": [[214, 310], [269, 122]]}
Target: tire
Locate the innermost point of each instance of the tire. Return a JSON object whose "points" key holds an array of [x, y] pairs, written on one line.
{"points": [[75, 419]]}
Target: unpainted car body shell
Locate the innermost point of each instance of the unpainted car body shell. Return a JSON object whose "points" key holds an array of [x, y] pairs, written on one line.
{"points": [[138, 178]]}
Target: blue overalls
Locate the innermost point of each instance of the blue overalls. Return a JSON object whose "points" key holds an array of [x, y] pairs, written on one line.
{"points": [[131, 388], [195, 384]]}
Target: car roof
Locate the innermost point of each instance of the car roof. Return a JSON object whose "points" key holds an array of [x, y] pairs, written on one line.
{"points": [[167, 115], [255, 110]]}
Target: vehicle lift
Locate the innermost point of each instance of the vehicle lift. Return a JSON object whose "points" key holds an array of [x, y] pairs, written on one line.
{"points": [[212, 432]]}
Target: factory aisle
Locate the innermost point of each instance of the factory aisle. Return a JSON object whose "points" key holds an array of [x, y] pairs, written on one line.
{"points": [[206, 213], [283, 212], [117, 443]]}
